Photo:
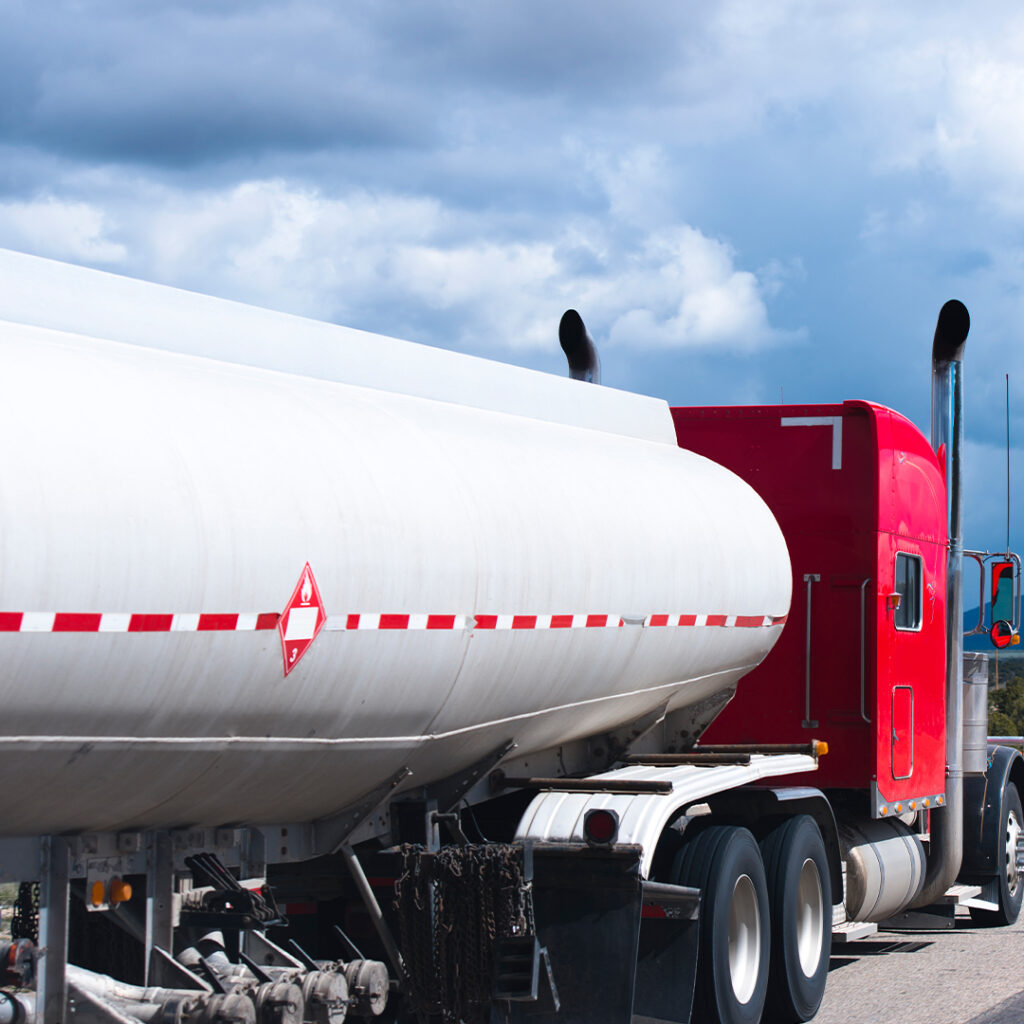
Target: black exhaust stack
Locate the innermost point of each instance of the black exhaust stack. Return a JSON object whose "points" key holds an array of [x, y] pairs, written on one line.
{"points": [[579, 348]]}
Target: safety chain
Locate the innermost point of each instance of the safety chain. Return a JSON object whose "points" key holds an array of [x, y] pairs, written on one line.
{"points": [[25, 920], [414, 907], [451, 907]]}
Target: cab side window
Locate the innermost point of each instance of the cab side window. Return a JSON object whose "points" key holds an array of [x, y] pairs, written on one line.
{"points": [[909, 585]]}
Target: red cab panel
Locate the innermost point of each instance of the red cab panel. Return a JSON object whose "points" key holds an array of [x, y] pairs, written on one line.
{"points": [[861, 499]]}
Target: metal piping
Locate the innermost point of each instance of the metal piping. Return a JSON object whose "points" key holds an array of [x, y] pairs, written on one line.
{"points": [[947, 826]]}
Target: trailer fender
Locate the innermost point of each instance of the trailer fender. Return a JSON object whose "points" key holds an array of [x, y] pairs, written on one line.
{"points": [[761, 808], [982, 811], [558, 815]]}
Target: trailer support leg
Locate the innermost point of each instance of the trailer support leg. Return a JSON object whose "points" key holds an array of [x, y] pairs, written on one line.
{"points": [[54, 889], [159, 886], [373, 908]]}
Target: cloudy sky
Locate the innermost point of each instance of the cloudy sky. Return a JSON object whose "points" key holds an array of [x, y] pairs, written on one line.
{"points": [[745, 200]]}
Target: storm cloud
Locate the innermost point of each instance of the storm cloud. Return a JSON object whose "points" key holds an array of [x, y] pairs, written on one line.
{"points": [[746, 201]]}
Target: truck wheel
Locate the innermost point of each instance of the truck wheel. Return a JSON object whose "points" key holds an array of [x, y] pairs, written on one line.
{"points": [[732, 968], [800, 900], [1011, 878]]}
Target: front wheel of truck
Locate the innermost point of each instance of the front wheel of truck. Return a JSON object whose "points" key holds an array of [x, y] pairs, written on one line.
{"points": [[1009, 849]]}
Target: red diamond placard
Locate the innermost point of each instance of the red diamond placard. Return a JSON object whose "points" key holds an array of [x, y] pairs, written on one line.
{"points": [[302, 619]]}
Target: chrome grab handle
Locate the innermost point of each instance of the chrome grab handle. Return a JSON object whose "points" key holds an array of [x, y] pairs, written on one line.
{"points": [[863, 649], [809, 723]]}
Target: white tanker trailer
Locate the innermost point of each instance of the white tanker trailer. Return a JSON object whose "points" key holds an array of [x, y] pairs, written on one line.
{"points": [[482, 575], [290, 603]]}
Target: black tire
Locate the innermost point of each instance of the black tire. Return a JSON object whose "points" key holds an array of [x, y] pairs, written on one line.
{"points": [[800, 901], [1011, 881], [732, 971]]}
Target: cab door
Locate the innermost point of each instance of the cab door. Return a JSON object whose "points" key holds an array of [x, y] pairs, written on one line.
{"points": [[902, 751]]}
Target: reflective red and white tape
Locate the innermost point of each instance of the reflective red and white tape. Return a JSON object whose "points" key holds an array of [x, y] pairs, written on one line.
{"points": [[117, 622], [543, 621]]}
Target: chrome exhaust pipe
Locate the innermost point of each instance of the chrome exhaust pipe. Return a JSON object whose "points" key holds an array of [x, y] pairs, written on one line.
{"points": [[947, 826]]}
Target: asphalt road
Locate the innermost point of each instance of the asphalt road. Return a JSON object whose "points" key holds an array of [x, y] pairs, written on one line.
{"points": [[966, 976]]}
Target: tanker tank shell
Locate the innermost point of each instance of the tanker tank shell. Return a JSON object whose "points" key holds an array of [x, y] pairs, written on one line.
{"points": [[139, 481]]}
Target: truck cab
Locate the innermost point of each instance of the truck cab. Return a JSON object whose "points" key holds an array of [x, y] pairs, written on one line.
{"points": [[861, 499]]}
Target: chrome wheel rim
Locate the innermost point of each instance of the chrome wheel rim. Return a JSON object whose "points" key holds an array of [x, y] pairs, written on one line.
{"points": [[810, 918], [1013, 841], [744, 939]]}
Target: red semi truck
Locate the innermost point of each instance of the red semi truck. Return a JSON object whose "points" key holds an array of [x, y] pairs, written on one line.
{"points": [[910, 813]]}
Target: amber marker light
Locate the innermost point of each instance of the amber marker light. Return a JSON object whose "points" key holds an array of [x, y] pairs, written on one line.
{"points": [[820, 748], [98, 894], [120, 892]]}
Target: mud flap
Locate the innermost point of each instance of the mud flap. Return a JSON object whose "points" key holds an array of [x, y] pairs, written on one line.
{"points": [[621, 950], [666, 970], [587, 907], [982, 812]]}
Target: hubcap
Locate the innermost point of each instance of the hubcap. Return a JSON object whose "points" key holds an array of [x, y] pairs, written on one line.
{"points": [[1013, 839], [810, 917], [744, 939]]}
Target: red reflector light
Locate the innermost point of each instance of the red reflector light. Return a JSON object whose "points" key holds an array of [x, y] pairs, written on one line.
{"points": [[600, 827]]}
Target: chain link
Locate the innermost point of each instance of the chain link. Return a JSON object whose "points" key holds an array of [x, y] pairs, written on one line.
{"points": [[451, 908], [25, 920]]}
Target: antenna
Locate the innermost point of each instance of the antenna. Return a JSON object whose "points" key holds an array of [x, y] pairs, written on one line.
{"points": [[1007, 465]]}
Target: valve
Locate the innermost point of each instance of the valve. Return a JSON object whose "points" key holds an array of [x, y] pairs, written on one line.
{"points": [[217, 1009], [326, 995], [18, 963], [367, 986], [279, 1002]]}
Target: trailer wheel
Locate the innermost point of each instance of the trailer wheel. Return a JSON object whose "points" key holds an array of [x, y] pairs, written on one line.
{"points": [[1011, 877], [800, 900], [732, 970]]}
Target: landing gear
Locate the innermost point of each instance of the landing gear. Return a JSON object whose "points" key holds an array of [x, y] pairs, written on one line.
{"points": [[800, 898], [724, 862], [1011, 876]]}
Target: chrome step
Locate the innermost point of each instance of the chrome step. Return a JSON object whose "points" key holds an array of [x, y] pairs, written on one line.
{"points": [[852, 931]]}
